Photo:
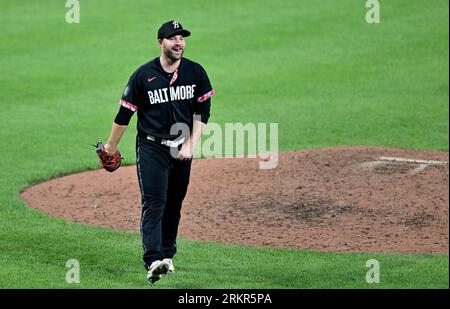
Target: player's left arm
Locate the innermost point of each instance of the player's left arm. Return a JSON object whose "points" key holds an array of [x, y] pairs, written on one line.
{"points": [[188, 147], [202, 105]]}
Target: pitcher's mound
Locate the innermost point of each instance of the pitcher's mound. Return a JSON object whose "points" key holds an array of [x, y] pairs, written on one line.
{"points": [[340, 199]]}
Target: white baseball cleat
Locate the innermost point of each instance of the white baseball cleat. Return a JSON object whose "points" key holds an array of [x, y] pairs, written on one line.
{"points": [[170, 265], [157, 269]]}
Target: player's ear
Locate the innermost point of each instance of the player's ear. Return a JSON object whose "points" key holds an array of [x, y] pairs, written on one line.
{"points": [[160, 41]]}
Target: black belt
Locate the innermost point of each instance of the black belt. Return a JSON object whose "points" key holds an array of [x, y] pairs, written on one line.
{"points": [[162, 141]]}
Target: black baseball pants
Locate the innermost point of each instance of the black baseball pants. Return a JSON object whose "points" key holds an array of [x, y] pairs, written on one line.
{"points": [[163, 181]]}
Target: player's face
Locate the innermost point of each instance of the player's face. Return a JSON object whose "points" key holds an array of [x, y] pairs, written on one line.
{"points": [[173, 47]]}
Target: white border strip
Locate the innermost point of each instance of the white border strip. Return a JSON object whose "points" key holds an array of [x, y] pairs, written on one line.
{"points": [[429, 162]]}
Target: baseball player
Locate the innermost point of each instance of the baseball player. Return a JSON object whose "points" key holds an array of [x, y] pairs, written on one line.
{"points": [[165, 92]]}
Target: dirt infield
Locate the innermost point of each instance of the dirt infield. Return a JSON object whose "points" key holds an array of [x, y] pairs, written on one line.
{"points": [[340, 199]]}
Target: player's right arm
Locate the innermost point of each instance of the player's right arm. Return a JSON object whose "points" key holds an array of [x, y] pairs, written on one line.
{"points": [[117, 131], [128, 106]]}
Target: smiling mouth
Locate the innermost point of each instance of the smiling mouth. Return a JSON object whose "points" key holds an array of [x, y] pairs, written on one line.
{"points": [[177, 50]]}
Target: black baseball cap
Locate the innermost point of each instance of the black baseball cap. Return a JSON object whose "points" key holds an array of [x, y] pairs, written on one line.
{"points": [[172, 28]]}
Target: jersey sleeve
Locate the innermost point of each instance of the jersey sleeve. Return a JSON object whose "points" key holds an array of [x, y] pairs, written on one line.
{"points": [[203, 94], [130, 96]]}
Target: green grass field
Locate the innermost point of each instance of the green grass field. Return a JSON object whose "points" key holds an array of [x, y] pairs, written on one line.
{"points": [[316, 68]]}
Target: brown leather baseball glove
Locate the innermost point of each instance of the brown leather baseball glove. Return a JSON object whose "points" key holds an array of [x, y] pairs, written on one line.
{"points": [[109, 162]]}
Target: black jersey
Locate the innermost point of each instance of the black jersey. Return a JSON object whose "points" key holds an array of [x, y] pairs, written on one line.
{"points": [[162, 99]]}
